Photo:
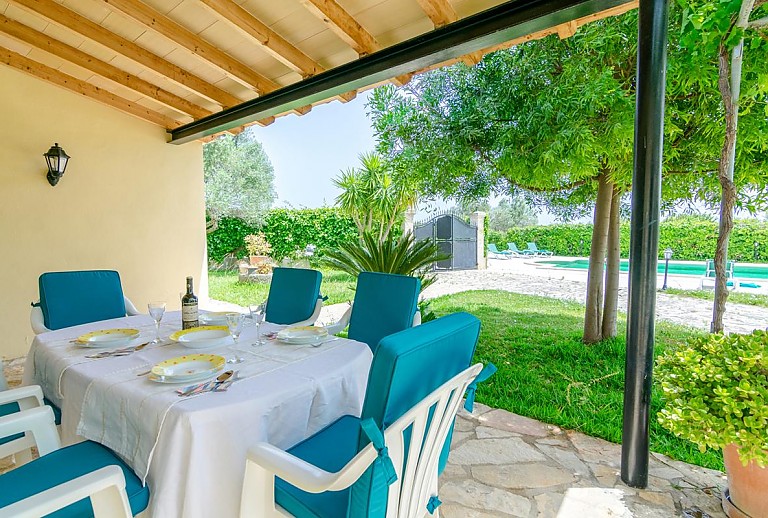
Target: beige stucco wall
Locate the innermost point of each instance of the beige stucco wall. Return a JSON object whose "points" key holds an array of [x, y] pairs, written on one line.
{"points": [[128, 201]]}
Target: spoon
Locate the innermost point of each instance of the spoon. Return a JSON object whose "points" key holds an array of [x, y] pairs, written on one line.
{"points": [[221, 378]]}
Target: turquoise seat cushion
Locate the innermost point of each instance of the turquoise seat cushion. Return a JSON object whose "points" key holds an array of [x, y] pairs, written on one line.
{"points": [[7, 409], [56, 410], [408, 366], [385, 303], [73, 298], [64, 465], [293, 295], [329, 449]]}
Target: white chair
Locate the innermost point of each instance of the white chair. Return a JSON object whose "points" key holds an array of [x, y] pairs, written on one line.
{"points": [[409, 496], [64, 477], [13, 401], [391, 455]]}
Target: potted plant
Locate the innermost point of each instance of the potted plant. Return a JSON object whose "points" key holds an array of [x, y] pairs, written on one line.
{"points": [[258, 248], [715, 391]]}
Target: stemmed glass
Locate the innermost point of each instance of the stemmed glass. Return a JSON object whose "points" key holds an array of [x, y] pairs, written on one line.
{"points": [[156, 311], [235, 325], [257, 316]]}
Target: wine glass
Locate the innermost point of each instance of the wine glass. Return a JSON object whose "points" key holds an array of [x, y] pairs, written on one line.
{"points": [[156, 311], [235, 325], [257, 316]]}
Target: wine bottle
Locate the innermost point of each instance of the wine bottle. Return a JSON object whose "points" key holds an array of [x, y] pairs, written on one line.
{"points": [[189, 307]]}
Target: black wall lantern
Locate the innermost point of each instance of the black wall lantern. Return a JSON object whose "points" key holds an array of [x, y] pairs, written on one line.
{"points": [[57, 161]]}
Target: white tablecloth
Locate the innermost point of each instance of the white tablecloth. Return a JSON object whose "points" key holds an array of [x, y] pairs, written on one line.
{"points": [[192, 450]]}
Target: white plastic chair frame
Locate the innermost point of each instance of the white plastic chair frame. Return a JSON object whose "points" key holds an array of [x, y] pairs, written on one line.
{"points": [[38, 322], [105, 487], [27, 398], [343, 322], [408, 495], [313, 318]]}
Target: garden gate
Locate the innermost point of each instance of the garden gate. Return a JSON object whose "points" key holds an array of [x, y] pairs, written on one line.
{"points": [[452, 236]]}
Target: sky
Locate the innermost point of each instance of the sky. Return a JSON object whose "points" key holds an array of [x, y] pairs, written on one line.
{"points": [[307, 152]]}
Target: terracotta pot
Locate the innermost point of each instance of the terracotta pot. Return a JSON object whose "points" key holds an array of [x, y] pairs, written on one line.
{"points": [[747, 495], [258, 259]]}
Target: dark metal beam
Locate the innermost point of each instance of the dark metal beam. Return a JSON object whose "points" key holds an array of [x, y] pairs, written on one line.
{"points": [[497, 25], [644, 239]]}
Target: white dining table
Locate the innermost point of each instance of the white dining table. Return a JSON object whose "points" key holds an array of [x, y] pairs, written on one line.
{"points": [[191, 451]]}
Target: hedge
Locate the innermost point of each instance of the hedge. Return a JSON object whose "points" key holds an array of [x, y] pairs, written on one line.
{"points": [[287, 230], [691, 238]]}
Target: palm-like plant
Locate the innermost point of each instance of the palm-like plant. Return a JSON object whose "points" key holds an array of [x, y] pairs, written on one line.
{"points": [[372, 196], [402, 255]]}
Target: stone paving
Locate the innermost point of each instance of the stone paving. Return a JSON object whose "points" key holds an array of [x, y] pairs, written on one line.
{"points": [[503, 464]]}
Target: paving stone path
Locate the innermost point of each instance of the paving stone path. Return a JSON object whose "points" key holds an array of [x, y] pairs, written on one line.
{"points": [[503, 464]]}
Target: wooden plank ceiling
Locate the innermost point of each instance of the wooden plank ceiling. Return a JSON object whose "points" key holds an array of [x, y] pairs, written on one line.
{"points": [[174, 61]]}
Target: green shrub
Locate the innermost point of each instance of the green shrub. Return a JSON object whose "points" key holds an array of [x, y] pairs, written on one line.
{"points": [[287, 230], [692, 238], [716, 393]]}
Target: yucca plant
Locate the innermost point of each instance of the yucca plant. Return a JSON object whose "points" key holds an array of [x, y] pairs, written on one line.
{"points": [[402, 255]]}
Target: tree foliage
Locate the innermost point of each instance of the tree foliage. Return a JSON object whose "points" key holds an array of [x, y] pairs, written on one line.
{"points": [[238, 179], [373, 197]]}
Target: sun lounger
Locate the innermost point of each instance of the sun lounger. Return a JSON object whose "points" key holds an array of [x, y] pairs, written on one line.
{"points": [[708, 279], [495, 253], [535, 250], [512, 248]]}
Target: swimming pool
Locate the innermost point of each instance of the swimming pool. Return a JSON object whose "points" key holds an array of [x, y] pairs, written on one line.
{"points": [[741, 271]]}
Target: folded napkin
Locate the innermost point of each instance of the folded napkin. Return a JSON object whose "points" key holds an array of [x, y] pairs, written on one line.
{"points": [[208, 386]]}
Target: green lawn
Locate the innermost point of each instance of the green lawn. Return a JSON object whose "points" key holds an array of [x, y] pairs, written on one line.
{"points": [[736, 297], [337, 286], [545, 372]]}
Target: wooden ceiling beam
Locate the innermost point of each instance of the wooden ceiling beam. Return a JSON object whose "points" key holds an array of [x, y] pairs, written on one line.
{"points": [[83, 88], [439, 11], [60, 15], [179, 34], [343, 25], [272, 42], [77, 57]]}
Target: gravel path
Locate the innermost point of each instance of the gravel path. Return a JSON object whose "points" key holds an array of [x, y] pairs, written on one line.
{"points": [[530, 280]]}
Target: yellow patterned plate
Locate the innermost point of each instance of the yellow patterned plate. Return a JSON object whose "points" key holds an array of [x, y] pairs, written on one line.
{"points": [[107, 338], [302, 334], [202, 337], [214, 318], [188, 367]]}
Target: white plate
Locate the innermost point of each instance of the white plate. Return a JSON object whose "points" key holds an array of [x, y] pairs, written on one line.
{"points": [[302, 335], [214, 318], [190, 367], [202, 337], [187, 381], [107, 338]]}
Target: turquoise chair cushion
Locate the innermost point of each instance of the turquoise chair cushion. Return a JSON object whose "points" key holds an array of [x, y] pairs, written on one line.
{"points": [[63, 465], [73, 298], [329, 449], [385, 303], [406, 367], [293, 295], [56, 410], [7, 409]]}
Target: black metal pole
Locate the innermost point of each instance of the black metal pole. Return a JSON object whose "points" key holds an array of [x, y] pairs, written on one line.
{"points": [[666, 269], [644, 238]]}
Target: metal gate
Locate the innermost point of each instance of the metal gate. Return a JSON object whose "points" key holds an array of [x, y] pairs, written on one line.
{"points": [[453, 237]]}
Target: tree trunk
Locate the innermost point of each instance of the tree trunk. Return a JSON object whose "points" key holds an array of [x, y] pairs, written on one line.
{"points": [[613, 263], [729, 84], [593, 312]]}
